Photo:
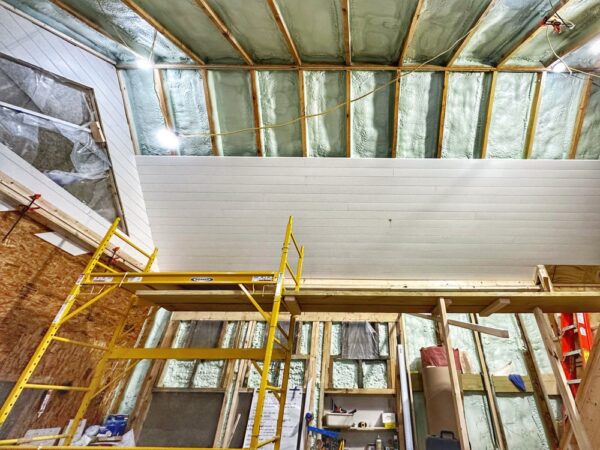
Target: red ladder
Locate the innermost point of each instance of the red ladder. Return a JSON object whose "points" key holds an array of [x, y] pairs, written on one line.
{"points": [[576, 343]]}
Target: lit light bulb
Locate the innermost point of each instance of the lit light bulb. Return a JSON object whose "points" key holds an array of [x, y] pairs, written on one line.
{"points": [[167, 139], [559, 67], [143, 63]]}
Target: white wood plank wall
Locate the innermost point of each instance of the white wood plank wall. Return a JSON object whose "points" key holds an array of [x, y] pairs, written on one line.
{"points": [[26, 41], [384, 219]]}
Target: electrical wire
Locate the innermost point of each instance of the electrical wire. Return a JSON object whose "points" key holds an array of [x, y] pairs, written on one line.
{"points": [[559, 58]]}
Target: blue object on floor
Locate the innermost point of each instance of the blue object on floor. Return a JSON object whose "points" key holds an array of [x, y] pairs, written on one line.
{"points": [[116, 424], [324, 432], [518, 381]]}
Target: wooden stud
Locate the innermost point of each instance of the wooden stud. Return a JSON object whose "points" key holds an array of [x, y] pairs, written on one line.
{"points": [[257, 115], [411, 31], [544, 279], [497, 332], [497, 427], [303, 124], [459, 410], [539, 388], [348, 114], [395, 115], [583, 104], [533, 115], [159, 90], [287, 37], [471, 32], [345, 4], [325, 363], [499, 304], [216, 20], [488, 116], [131, 4], [128, 111], [442, 115], [529, 36], [210, 114], [565, 392]]}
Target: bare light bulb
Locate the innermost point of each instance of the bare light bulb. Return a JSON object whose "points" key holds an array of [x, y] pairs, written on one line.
{"points": [[559, 67], [167, 139], [143, 63]]}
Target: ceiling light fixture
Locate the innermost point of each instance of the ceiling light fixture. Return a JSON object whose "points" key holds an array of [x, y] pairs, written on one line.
{"points": [[143, 63], [167, 139], [559, 67]]}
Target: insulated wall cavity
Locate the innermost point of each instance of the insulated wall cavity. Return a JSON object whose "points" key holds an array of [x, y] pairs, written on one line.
{"points": [[326, 133], [232, 110], [419, 114], [588, 147], [372, 115], [510, 115], [466, 108], [279, 103], [556, 116], [187, 107]]}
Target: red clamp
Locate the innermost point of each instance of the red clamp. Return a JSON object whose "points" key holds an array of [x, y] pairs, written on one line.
{"points": [[24, 209]]}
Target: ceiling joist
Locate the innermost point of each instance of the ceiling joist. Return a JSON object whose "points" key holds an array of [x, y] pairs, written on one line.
{"points": [[276, 12], [216, 20], [345, 4], [411, 31], [533, 115], [583, 104], [440, 142]]}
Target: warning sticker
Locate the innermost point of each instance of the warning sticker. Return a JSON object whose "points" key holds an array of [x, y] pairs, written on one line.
{"points": [[102, 279], [257, 278], [135, 279], [202, 279]]}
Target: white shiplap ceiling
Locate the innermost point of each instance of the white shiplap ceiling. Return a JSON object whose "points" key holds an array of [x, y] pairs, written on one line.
{"points": [[375, 218]]}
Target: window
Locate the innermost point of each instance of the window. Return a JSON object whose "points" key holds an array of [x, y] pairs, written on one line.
{"points": [[54, 125]]}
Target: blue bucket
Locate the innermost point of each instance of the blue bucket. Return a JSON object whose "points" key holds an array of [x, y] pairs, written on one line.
{"points": [[116, 424]]}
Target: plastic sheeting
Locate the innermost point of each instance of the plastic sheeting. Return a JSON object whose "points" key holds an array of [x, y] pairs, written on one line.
{"points": [[514, 92], [126, 27], [372, 116], [466, 108], [187, 107], [279, 103], [588, 147], [232, 109], [327, 133], [316, 28], [359, 341], [556, 116], [378, 29], [419, 114]]}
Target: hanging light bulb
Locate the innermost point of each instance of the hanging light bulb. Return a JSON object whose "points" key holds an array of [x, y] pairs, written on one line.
{"points": [[143, 63], [167, 139], [559, 67]]}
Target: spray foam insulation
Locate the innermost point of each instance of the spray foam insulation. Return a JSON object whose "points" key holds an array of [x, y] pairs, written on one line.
{"points": [[585, 56]]}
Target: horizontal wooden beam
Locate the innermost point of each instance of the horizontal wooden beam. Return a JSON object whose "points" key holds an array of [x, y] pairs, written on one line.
{"points": [[193, 353], [472, 382], [499, 304]]}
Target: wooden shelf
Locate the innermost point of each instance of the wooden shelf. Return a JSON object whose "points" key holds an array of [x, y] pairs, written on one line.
{"points": [[357, 391]]}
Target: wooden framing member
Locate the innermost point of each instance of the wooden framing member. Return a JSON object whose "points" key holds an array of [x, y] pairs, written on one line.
{"points": [[539, 388], [256, 111], [410, 32], [345, 4], [131, 4], [159, 90], [565, 392], [488, 387], [471, 32], [459, 409], [530, 35], [348, 113], [533, 115], [440, 142], [287, 37], [572, 46], [495, 307], [497, 332], [583, 104], [216, 20], [128, 111], [303, 124], [394, 149], [209, 113], [488, 116], [325, 363]]}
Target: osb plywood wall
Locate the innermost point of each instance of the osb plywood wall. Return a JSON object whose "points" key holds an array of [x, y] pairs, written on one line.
{"points": [[35, 278]]}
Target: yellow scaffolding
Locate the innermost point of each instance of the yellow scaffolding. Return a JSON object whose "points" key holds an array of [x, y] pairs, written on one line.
{"points": [[110, 279]]}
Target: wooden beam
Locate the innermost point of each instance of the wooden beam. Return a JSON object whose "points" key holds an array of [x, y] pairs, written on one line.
{"points": [[345, 4], [394, 149], [459, 409], [474, 28], [159, 90], [153, 22], [209, 113], [565, 392], [583, 104], [544, 279], [256, 113], [530, 35], [292, 305], [303, 124], [442, 115], [488, 116], [499, 304], [533, 115], [410, 32], [216, 20], [467, 325], [348, 114], [287, 37]]}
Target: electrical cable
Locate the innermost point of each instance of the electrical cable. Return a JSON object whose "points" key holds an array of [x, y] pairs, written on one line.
{"points": [[569, 68]]}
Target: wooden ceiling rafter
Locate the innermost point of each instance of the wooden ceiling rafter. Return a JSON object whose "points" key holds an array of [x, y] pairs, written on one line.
{"points": [[396, 107], [303, 121], [533, 114], [488, 116], [287, 37], [345, 6], [209, 113], [411, 31], [581, 110], [256, 113], [224, 30], [440, 142], [348, 75]]}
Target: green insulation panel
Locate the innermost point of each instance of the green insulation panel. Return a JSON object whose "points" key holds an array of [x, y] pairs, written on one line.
{"points": [[587, 55], [419, 114], [588, 147], [279, 103], [326, 133], [191, 25], [232, 111]]}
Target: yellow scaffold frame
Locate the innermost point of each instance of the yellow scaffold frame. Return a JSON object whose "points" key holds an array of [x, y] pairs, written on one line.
{"points": [[111, 278]]}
